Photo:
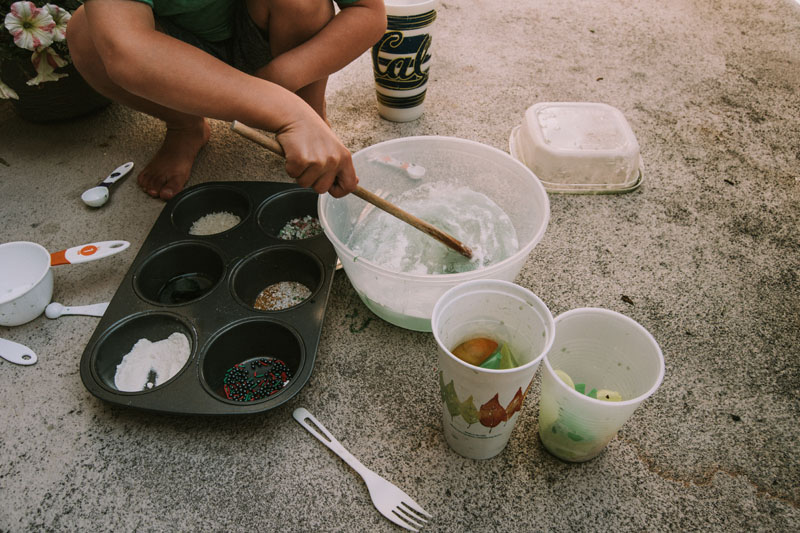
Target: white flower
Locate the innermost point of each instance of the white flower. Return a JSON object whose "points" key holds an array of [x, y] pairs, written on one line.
{"points": [[45, 61], [60, 16], [31, 26], [7, 92]]}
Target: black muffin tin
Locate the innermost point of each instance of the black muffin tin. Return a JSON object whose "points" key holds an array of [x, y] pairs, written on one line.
{"points": [[221, 324]]}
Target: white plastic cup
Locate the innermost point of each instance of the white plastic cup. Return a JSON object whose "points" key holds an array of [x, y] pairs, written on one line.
{"points": [[480, 406], [401, 59], [603, 350]]}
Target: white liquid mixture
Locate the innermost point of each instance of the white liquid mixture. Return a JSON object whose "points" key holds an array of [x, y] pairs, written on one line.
{"points": [[469, 216]]}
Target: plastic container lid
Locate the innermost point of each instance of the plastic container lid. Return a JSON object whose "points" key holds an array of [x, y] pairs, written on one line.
{"points": [[578, 147]]}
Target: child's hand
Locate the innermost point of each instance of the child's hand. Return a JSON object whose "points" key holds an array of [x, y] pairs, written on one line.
{"points": [[316, 158]]}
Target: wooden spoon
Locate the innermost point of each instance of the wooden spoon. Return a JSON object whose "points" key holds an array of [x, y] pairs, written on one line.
{"points": [[448, 240]]}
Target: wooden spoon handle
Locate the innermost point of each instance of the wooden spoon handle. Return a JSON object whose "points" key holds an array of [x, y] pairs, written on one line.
{"points": [[259, 138], [445, 238], [448, 240]]}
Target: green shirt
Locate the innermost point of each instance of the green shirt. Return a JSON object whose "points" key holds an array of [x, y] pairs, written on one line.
{"points": [[208, 19]]}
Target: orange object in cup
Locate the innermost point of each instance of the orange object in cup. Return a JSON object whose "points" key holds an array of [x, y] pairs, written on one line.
{"points": [[475, 351]]}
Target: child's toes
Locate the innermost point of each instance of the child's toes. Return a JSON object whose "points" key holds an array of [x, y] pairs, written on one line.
{"points": [[172, 186], [145, 181]]}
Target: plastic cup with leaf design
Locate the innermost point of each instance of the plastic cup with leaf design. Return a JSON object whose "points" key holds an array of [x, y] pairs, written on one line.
{"points": [[401, 59], [601, 367], [492, 335]]}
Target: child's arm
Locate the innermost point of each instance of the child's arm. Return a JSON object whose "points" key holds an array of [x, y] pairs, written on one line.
{"points": [[164, 70], [353, 30]]}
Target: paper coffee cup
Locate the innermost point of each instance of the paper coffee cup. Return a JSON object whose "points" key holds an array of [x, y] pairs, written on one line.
{"points": [[480, 406], [401, 59]]}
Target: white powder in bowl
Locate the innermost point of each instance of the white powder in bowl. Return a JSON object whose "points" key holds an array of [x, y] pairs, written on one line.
{"points": [[149, 364], [214, 223]]}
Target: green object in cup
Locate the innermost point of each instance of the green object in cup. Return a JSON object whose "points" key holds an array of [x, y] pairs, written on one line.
{"points": [[501, 359], [493, 361]]}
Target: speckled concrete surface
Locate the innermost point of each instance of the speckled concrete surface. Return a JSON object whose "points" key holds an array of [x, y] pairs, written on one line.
{"points": [[706, 255]]}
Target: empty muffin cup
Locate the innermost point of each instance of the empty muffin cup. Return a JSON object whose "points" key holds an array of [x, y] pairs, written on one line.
{"points": [[252, 361], [264, 270], [161, 365], [198, 207], [179, 273]]}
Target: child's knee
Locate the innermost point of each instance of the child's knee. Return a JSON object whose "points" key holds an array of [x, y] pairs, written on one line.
{"points": [[78, 40]]}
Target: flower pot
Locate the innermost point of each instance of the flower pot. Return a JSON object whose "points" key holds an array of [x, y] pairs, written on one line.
{"points": [[50, 101]]}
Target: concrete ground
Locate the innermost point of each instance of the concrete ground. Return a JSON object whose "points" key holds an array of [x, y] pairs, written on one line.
{"points": [[705, 255]]}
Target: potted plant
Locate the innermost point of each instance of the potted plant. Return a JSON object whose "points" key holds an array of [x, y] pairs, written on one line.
{"points": [[36, 71]]}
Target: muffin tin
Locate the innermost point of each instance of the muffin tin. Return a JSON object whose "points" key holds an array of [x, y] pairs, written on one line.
{"points": [[223, 273]]}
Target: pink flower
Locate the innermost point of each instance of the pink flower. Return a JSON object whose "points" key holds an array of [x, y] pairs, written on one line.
{"points": [[7, 92], [46, 61], [31, 26], [60, 16]]}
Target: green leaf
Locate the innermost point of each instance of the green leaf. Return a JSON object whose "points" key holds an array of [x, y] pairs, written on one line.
{"points": [[468, 411], [451, 400]]}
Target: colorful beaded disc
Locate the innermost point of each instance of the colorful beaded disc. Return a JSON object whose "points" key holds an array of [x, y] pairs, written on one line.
{"points": [[256, 379]]}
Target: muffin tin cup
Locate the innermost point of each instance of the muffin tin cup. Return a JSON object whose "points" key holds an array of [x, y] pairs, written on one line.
{"points": [[240, 342], [204, 286]]}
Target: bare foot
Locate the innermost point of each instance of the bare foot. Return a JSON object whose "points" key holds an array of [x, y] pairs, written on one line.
{"points": [[167, 173]]}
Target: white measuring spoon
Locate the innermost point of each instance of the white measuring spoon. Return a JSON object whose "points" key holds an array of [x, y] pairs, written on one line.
{"points": [[98, 196], [55, 310], [17, 353], [413, 171]]}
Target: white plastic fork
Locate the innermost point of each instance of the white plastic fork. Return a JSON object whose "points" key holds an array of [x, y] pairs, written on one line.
{"points": [[392, 502]]}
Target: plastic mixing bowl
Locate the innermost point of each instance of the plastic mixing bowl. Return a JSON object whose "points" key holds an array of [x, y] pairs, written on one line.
{"points": [[406, 299]]}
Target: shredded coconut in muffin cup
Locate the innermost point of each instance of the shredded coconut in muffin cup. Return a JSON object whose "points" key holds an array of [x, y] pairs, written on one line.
{"points": [[214, 223]]}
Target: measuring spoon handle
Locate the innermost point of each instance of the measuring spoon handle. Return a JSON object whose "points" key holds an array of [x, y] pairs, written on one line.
{"points": [[119, 173], [87, 310], [16, 353], [87, 252]]}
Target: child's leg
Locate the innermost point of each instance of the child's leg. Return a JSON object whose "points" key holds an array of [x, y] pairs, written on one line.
{"points": [[167, 173], [289, 23]]}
